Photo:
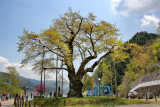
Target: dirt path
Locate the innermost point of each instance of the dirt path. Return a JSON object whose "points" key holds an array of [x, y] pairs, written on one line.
{"points": [[8, 103]]}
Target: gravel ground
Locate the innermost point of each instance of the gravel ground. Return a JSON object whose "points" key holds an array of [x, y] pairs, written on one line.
{"points": [[135, 105], [8, 103]]}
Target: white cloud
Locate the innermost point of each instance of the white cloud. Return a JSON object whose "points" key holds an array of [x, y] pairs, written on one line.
{"points": [[25, 71], [135, 7], [150, 20]]}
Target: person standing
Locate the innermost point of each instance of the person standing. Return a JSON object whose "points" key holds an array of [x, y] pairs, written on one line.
{"points": [[31, 95], [3, 98], [7, 96], [16, 100], [59, 89], [50, 94], [0, 102]]}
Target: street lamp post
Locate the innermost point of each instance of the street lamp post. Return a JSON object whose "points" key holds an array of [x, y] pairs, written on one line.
{"points": [[99, 85]]}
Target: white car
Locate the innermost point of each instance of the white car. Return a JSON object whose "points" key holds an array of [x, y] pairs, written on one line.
{"points": [[132, 93]]}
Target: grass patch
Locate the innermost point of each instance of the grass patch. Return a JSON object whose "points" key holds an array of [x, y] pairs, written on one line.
{"points": [[86, 101], [121, 101]]}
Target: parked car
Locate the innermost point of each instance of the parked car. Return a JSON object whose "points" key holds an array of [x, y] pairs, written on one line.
{"points": [[132, 94]]}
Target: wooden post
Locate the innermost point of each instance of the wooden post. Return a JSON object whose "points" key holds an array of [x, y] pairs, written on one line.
{"points": [[29, 103], [139, 96], [34, 104], [146, 97], [18, 102], [22, 102], [15, 102], [26, 103], [155, 97]]}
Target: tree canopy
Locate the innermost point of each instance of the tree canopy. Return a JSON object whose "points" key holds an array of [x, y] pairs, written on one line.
{"points": [[10, 81], [87, 82], [141, 38], [70, 37]]}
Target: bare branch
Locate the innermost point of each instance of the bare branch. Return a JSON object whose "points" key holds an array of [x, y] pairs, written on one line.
{"points": [[56, 68], [47, 47], [79, 28], [89, 52], [99, 38], [68, 27], [83, 64], [79, 49], [97, 62]]}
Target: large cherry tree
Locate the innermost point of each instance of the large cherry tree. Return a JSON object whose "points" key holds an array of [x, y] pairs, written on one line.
{"points": [[71, 37]]}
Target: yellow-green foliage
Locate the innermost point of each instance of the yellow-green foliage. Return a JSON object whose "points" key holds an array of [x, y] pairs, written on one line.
{"points": [[141, 58], [119, 54], [87, 82], [71, 36], [154, 51], [107, 74], [74, 35], [9, 82]]}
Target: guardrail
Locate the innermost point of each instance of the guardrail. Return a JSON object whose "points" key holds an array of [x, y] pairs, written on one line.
{"points": [[146, 78]]}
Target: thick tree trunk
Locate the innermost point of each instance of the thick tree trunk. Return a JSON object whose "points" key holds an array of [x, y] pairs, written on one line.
{"points": [[75, 88]]}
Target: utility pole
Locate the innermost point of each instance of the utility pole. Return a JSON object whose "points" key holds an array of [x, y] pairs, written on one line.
{"points": [[111, 77], [111, 80], [44, 81], [111, 87], [115, 73], [62, 79], [43, 71], [41, 74], [56, 73]]}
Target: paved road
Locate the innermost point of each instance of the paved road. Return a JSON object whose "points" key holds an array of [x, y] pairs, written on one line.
{"points": [[8, 103], [142, 105]]}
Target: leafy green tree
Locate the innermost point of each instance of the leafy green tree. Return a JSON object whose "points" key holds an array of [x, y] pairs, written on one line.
{"points": [[106, 73], [10, 81], [73, 36], [141, 38], [87, 82], [138, 65], [154, 51], [125, 86]]}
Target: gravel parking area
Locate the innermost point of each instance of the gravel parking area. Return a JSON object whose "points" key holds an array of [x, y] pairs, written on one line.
{"points": [[135, 105]]}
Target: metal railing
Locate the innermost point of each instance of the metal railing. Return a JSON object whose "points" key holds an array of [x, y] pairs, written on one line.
{"points": [[146, 78]]}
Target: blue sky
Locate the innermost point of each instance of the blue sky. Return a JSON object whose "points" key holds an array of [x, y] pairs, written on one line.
{"points": [[130, 16]]}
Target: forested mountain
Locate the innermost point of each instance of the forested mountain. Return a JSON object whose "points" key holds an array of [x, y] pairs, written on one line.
{"points": [[141, 38], [31, 83]]}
